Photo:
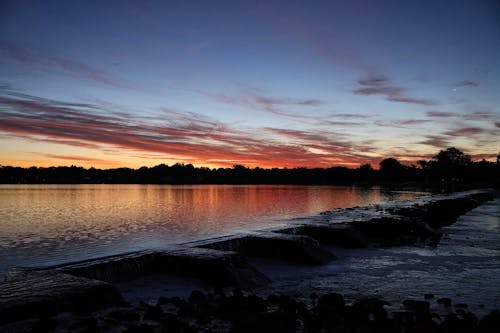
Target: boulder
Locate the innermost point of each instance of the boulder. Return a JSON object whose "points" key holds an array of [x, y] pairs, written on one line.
{"points": [[338, 234], [28, 294], [293, 248], [397, 231]]}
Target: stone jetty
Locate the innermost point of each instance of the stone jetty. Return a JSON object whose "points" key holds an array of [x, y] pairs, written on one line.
{"points": [[90, 285]]}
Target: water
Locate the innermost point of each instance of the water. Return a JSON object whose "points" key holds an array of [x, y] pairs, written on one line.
{"points": [[51, 224]]}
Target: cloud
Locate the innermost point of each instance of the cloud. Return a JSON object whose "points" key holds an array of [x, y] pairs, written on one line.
{"points": [[440, 114], [465, 131], [438, 141], [380, 85], [276, 105], [466, 83], [478, 157], [180, 136], [76, 158], [374, 81], [287, 101], [480, 115], [63, 65], [402, 123]]}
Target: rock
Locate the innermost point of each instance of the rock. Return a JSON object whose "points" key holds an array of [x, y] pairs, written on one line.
{"points": [[445, 301], [419, 307], [339, 234], [28, 294], [330, 304], [197, 297], [294, 248], [219, 268], [154, 313], [142, 328], [127, 315], [368, 309], [395, 231], [428, 296], [45, 324], [490, 323]]}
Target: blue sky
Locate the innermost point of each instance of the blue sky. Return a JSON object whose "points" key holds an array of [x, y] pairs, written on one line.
{"points": [[268, 83]]}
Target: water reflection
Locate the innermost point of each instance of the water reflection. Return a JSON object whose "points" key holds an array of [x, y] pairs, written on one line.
{"points": [[43, 224]]}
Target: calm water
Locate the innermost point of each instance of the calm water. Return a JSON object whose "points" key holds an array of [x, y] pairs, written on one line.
{"points": [[48, 224]]}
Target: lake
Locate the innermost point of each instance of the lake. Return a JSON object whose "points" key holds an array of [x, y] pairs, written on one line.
{"points": [[52, 224]]}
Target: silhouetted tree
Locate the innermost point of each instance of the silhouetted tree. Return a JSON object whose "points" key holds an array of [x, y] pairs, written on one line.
{"points": [[452, 157], [392, 169]]}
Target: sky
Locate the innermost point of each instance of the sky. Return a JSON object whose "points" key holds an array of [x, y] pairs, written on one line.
{"points": [[258, 83]]}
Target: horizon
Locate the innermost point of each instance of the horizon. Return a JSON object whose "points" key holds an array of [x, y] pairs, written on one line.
{"points": [[269, 85]]}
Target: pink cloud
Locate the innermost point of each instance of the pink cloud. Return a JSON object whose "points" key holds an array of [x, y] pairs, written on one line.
{"points": [[439, 114], [465, 131], [185, 136]]}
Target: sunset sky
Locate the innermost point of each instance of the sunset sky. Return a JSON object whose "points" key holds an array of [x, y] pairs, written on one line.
{"points": [[267, 83]]}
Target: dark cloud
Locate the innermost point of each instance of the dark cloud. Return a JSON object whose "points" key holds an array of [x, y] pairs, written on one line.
{"points": [[439, 114], [374, 81], [465, 131], [380, 85], [480, 115], [466, 83], [437, 141], [287, 101]]}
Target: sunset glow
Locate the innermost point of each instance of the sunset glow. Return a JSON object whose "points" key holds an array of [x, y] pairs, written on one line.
{"points": [[268, 84]]}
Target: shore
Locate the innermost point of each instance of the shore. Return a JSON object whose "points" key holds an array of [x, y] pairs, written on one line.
{"points": [[220, 311], [311, 290]]}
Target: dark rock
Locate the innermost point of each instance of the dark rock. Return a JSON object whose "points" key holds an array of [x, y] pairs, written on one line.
{"points": [[86, 324], [124, 315], [171, 323], [279, 322], [330, 304], [461, 305], [404, 319], [31, 294], [294, 248], [454, 323], [143, 328], [219, 268], [419, 307], [45, 324], [428, 296], [394, 231], [338, 234], [197, 297], [154, 313], [490, 323], [368, 309], [445, 301]]}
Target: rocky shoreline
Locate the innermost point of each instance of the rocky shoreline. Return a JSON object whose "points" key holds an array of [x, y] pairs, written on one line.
{"points": [[220, 311], [85, 297]]}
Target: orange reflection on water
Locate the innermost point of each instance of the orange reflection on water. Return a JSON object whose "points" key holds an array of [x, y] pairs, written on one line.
{"points": [[56, 223]]}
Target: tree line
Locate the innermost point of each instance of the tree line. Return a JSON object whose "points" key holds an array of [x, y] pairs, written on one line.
{"points": [[450, 168]]}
